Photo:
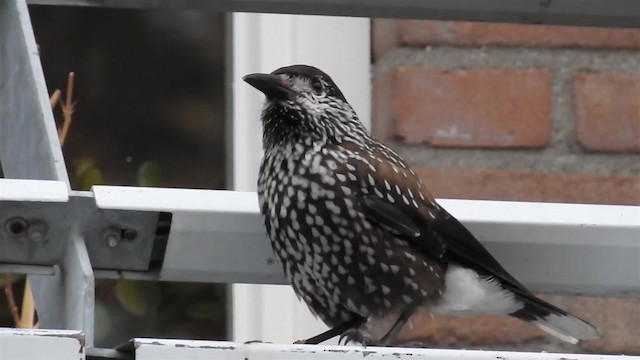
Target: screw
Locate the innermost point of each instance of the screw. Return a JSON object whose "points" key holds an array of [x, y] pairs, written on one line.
{"points": [[112, 237], [16, 225], [37, 231]]}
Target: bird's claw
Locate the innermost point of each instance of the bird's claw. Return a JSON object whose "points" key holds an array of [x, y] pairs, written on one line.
{"points": [[356, 337]]}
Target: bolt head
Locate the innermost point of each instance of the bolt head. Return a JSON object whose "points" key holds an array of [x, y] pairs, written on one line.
{"points": [[35, 235], [111, 237], [37, 231]]}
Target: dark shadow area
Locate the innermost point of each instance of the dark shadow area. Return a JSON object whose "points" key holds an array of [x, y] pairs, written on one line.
{"points": [[149, 87]]}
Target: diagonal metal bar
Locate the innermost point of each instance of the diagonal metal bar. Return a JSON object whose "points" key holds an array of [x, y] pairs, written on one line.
{"points": [[29, 146], [29, 149]]}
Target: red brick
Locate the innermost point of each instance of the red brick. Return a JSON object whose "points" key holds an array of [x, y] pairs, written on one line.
{"points": [[618, 320], [607, 111], [501, 108], [468, 330], [382, 107], [384, 36], [421, 32], [525, 185]]}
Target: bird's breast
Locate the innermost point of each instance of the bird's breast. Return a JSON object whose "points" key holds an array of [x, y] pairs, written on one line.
{"points": [[307, 216], [335, 257]]}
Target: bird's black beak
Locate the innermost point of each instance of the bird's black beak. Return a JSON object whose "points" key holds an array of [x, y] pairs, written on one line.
{"points": [[271, 85]]}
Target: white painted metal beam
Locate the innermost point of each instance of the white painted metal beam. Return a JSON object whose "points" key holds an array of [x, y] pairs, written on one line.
{"points": [[217, 236], [34, 344], [614, 13], [154, 349], [558, 248], [263, 43]]}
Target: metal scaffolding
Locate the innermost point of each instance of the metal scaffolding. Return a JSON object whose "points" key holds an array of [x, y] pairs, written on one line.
{"points": [[64, 239]]}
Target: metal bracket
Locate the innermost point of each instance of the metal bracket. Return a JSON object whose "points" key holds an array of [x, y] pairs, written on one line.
{"points": [[40, 229], [36, 232]]}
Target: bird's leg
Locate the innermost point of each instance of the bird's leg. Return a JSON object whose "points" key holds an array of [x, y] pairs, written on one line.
{"points": [[354, 323], [391, 335]]}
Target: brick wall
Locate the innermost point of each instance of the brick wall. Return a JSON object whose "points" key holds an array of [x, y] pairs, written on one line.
{"points": [[515, 112]]}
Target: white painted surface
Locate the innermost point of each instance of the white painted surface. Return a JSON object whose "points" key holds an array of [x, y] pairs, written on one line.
{"points": [[178, 200], [217, 236], [156, 349], [543, 213], [33, 190], [262, 43], [33, 344]]}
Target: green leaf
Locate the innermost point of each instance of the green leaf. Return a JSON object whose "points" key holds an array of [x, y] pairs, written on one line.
{"points": [[81, 165], [90, 177], [86, 174], [150, 174], [137, 297]]}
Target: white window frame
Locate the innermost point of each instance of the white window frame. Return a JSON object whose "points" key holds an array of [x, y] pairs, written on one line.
{"points": [[262, 43]]}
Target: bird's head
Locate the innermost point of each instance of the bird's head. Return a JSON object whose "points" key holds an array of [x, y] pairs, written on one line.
{"points": [[303, 102]]}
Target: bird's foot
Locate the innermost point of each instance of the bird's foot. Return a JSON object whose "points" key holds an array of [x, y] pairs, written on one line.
{"points": [[354, 336]]}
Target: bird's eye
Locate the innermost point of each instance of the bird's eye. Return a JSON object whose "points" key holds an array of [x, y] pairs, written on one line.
{"points": [[317, 86]]}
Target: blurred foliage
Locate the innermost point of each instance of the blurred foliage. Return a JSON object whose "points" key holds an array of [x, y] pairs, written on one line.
{"points": [[138, 299], [85, 174], [15, 278], [126, 308], [150, 174]]}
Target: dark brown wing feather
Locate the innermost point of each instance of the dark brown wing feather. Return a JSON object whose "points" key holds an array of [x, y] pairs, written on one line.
{"points": [[384, 213], [440, 235], [463, 248]]}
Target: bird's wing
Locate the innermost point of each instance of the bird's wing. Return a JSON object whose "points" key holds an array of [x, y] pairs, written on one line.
{"points": [[404, 223], [387, 214], [393, 196], [463, 248]]}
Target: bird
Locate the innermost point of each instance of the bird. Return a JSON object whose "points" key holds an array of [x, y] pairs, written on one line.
{"points": [[359, 236]]}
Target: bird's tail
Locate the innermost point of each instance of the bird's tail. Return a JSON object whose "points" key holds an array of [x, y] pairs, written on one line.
{"points": [[555, 321]]}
